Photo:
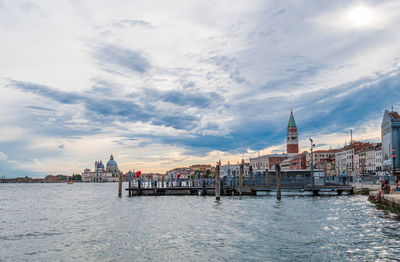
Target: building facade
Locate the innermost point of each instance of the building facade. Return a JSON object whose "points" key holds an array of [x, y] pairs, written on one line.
{"points": [[232, 170], [390, 133], [295, 162], [110, 173], [262, 163], [321, 155]]}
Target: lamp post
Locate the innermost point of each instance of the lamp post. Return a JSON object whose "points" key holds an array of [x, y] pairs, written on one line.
{"points": [[312, 163], [394, 155]]}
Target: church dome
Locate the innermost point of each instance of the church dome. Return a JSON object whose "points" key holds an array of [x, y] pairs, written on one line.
{"points": [[111, 162], [100, 165]]}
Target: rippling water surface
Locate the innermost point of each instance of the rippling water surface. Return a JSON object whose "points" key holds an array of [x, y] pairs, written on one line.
{"points": [[87, 222]]}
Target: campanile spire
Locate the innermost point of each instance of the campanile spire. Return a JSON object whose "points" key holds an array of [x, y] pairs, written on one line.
{"points": [[292, 137]]}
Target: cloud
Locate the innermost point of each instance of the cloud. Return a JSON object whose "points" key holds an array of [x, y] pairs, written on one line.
{"points": [[187, 97], [113, 57], [279, 12], [189, 89], [130, 22], [40, 108], [228, 64], [99, 105], [3, 156], [108, 110]]}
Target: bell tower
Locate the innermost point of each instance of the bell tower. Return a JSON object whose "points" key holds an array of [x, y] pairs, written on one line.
{"points": [[292, 137]]}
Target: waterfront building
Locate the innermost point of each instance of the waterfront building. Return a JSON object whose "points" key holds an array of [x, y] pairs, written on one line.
{"points": [[191, 171], [370, 160], [351, 158], [231, 170], [295, 162], [292, 137], [55, 179], [341, 161], [112, 166], [320, 155], [152, 176], [362, 160], [185, 172], [262, 163], [109, 173], [390, 135], [330, 166], [378, 159], [324, 160], [202, 168], [356, 162]]}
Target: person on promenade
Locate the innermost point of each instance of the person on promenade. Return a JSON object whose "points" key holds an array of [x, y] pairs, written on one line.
{"points": [[385, 190], [382, 184], [344, 178], [397, 188]]}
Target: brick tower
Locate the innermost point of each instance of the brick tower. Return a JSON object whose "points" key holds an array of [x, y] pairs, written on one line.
{"points": [[292, 137]]}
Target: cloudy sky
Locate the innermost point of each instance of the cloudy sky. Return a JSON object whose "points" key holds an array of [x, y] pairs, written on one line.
{"points": [[162, 84]]}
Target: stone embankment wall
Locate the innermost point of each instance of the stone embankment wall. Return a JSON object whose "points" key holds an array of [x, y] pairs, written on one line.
{"points": [[390, 201]]}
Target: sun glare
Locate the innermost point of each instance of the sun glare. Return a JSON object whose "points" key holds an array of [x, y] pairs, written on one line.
{"points": [[361, 17]]}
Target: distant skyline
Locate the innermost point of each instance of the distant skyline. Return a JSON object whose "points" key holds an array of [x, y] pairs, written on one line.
{"points": [[164, 84]]}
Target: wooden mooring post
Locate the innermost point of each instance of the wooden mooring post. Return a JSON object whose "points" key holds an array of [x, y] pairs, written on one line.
{"points": [[139, 186], [241, 171], [233, 181], [120, 186], [130, 183], [278, 181], [203, 189], [217, 186]]}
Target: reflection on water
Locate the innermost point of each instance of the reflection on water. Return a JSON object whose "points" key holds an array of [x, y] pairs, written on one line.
{"points": [[88, 222]]}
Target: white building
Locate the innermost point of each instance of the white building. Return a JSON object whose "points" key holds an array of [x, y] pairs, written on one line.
{"points": [[378, 161], [370, 166], [229, 169], [100, 174], [390, 132], [261, 163], [341, 161]]}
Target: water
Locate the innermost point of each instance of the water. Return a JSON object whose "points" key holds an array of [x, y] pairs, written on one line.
{"points": [[88, 222]]}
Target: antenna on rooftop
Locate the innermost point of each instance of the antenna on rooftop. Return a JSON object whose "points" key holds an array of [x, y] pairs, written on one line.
{"points": [[351, 136], [392, 109]]}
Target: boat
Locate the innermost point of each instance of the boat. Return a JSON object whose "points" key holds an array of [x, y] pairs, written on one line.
{"points": [[70, 182]]}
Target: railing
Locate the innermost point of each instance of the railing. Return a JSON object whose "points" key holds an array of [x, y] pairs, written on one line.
{"points": [[148, 183], [374, 179], [288, 180]]}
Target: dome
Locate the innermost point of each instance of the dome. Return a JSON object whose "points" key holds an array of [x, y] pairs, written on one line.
{"points": [[111, 162], [100, 165]]}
